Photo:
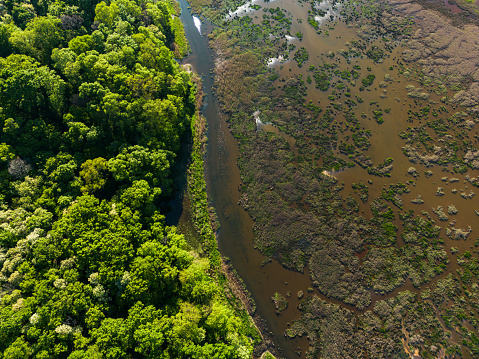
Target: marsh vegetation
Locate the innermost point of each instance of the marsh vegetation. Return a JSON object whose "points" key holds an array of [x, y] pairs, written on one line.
{"points": [[381, 105]]}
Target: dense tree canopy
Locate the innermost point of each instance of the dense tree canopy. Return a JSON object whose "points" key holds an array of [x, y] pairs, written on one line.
{"points": [[93, 111]]}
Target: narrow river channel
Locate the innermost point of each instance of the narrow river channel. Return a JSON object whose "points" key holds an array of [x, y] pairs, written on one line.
{"points": [[235, 238]]}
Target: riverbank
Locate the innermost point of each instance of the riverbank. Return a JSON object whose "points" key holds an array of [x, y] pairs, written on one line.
{"points": [[204, 220]]}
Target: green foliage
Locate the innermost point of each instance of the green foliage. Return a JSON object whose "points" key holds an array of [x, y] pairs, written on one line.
{"points": [[92, 173], [137, 162], [6, 31], [81, 44], [322, 80], [368, 80], [40, 37], [197, 192], [301, 56], [106, 14], [92, 119]]}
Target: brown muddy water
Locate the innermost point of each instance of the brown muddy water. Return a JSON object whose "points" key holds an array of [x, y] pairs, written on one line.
{"points": [[235, 238], [385, 140]]}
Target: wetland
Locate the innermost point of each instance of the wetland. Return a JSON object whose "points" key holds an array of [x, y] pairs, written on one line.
{"points": [[343, 163]]}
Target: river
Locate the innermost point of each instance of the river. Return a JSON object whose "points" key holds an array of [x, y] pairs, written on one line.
{"points": [[235, 238]]}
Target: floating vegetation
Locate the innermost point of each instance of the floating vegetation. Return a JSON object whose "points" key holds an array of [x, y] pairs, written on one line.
{"points": [[383, 169], [280, 302], [472, 157], [362, 190], [451, 209], [412, 171], [415, 92], [458, 233], [417, 200], [467, 195], [416, 157], [440, 213], [301, 56]]}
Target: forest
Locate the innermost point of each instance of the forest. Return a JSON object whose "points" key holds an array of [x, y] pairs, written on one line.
{"points": [[95, 111]]}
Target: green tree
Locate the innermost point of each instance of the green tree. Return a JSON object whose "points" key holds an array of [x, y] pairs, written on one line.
{"points": [[18, 350], [22, 14], [39, 38], [6, 31], [164, 120], [137, 163], [93, 174], [81, 44], [106, 14], [140, 196], [154, 273], [28, 90]]}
